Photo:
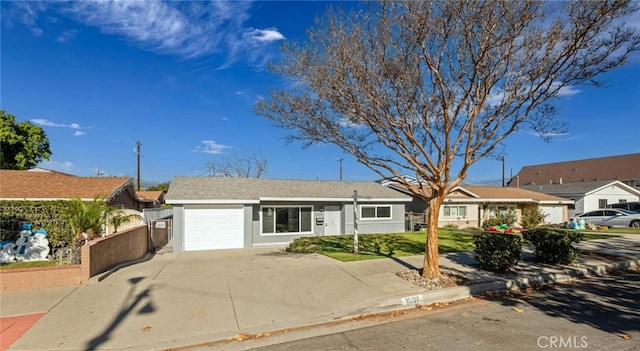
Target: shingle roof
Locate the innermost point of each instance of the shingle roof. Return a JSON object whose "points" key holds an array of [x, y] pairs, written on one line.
{"points": [[489, 192], [210, 188], [482, 193], [621, 167], [570, 188], [54, 185]]}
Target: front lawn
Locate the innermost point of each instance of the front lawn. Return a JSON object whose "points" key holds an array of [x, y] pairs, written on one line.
{"points": [[374, 246]]}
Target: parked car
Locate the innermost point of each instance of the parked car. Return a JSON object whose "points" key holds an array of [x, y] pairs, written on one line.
{"points": [[612, 217], [631, 206]]}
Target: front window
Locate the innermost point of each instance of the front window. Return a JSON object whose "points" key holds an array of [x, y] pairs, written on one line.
{"points": [[501, 210], [455, 211], [372, 212], [602, 203], [277, 219]]}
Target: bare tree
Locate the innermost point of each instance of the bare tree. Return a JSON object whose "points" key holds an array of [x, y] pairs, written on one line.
{"points": [[238, 167], [428, 88]]}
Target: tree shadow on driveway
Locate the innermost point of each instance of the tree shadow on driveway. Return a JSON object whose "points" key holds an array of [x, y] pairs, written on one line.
{"points": [[610, 303]]}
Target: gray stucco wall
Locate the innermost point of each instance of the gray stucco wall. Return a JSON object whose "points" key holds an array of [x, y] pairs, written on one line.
{"points": [[395, 224], [253, 236], [177, 243], [254, 231]]}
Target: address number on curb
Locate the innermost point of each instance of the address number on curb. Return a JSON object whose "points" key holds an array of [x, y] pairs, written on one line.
{"points": [[412, 300]]}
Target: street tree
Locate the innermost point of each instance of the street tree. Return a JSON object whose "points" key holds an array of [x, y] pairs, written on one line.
{"points": [[429, 88], [22, 145], [252, 166], [160, 187]]}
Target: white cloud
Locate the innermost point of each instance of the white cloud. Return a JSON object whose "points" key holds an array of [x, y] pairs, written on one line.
{"points": [[211, 147], [266, 35], [48, 123], [182, 28], [566, 90], [67, 35]]}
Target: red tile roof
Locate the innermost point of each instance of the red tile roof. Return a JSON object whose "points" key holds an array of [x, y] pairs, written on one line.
{"points": [[54, 185]]}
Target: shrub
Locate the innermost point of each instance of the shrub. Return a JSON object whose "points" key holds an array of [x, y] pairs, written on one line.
{"points": [[384, 245], [509, 218], [41, 214], [532, 216], [303, 245], [554, 245], [497, 252], [492, 222]]}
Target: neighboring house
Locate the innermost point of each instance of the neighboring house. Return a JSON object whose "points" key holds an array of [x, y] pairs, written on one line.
{"points": [[625, 168], [224, 213], [150, 199], [589, 196], [470, 206], [46, 185]]}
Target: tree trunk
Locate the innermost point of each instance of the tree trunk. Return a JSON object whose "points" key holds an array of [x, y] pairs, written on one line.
{"points": [[431, 268]]}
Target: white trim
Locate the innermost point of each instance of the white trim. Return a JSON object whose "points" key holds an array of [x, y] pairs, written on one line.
{"points": [[211, 202], [361, 218], [333, 199], [507, 200], [614, 183]]}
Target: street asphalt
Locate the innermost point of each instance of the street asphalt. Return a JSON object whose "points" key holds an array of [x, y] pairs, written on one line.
{"points": [[193, 299]]}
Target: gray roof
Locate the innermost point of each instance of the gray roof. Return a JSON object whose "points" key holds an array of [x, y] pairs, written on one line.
{"points": [[568, 188], [218, 188]]}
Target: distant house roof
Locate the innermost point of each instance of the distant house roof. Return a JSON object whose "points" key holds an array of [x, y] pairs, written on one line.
{"points": [[49, 185], [578, 189], [254, 190], [505, 193], [493, 194], [622, 167], [150, 196]]}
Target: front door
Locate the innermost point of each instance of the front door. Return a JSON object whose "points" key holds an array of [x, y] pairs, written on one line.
{"points": [[332, 220]]}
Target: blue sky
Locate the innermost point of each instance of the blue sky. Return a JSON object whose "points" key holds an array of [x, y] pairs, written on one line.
{"points": [[182, 78]]}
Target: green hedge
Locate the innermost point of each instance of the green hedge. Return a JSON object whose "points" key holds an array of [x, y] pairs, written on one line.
{"points": [[554, 245], [41, 214], [497, 252]]}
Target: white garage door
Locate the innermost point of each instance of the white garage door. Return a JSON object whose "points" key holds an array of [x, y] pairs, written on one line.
{"points": [[554, 214], [209, 229]]}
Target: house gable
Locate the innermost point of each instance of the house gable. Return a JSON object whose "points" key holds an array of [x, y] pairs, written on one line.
{"points": [[49, 185]]}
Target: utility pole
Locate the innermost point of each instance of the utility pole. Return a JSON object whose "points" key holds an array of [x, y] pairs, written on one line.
{"points": [[138, 143], [503, 171], [340, 160]]}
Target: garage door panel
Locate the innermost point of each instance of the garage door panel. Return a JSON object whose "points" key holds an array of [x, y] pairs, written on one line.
{"points": [[553, 214], [210, 229]]}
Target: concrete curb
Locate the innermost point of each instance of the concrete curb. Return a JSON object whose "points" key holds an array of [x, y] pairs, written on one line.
{"points": [[408, 301]]}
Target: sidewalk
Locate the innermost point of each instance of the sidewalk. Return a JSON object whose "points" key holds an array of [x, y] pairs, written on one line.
{"points": [[179, 299]]}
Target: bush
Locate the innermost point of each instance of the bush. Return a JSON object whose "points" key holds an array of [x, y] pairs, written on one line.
{"points": [[41, 214], [492, 222], [554, 245], [497, 252], [509, 218], [532, 216], [303, 245]]}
